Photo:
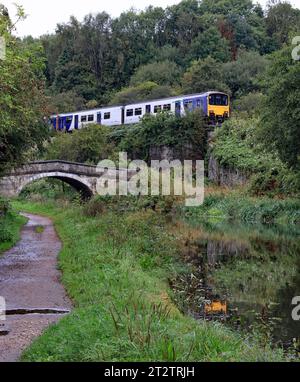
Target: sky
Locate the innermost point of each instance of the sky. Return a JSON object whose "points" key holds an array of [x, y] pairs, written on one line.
{"points": [[44, 15]]}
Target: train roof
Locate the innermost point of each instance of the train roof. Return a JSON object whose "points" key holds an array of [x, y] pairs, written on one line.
{"points": [[139, 102]]}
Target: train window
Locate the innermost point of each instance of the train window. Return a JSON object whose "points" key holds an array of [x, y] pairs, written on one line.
{"points": [[157, 108], [83, 118], [106, 115], [218, 100], [138, 111], [167, 107], [129, 113], [188, 105], [69, 119], [91, 118]]}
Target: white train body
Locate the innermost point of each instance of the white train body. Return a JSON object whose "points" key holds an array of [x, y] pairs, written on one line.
{"points": [[131, 114]]}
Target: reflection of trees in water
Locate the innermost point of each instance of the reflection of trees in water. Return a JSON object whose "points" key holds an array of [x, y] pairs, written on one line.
{"points": [[287, 328], [266, 245]]}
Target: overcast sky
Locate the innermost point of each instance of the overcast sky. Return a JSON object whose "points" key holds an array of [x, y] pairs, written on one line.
{"points": [[44, 15]]}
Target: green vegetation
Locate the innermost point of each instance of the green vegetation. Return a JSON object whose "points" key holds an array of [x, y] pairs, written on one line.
{"points": [[239, 207], [252, 266], [95, 143], [88, 145], [281, 119], [237, 145], [116, 269], [165, 129], [40, 229], [97, 58], [46, 189], [10, 225], [22, 99], [119, 255]]}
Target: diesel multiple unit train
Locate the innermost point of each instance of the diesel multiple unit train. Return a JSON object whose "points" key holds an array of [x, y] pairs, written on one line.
{"points": [[214, 105]]}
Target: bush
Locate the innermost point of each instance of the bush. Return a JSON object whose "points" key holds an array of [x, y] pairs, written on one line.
{"points": [[4, 207], [249, 104], [88, 145], [46, 189], [237, 145], [121, 204], [166, 129]]}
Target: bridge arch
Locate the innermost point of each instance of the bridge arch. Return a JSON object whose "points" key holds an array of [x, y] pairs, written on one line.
{"points": [[75, 181]]}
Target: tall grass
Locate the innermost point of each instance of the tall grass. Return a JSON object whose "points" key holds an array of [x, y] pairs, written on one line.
{"points": [[249, 210]]}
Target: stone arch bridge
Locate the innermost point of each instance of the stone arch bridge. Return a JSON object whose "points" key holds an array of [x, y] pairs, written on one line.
{"points": [[80, 176]]}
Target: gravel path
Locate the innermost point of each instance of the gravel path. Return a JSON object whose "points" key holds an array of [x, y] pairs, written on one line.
{"points": [[29, 279]]}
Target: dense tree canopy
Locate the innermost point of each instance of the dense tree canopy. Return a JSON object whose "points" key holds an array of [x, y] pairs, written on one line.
{"points": [[163, 73], [281, 113], [89, 145], [194, 46], [204, 75], [144, 91], [23, 104], [101, 55]]}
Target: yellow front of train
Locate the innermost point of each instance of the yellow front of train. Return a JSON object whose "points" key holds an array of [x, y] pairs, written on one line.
{"points": [[218, 107]]}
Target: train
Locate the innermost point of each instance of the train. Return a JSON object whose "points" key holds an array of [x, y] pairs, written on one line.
{"points": [[214, 105]]}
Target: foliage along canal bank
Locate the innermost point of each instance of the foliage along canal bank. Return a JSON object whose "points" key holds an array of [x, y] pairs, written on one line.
{"points": [[117, 261], [10, 226]]}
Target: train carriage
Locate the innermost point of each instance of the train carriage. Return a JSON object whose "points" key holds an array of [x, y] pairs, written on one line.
{"points": [[214, 105]]}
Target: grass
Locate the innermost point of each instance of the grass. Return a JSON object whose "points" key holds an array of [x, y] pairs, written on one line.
{"points": [[239, 207], [116, 269], [40, 229], [10, 229]]}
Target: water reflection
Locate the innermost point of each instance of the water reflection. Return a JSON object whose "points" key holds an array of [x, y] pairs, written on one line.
{"points": [[246, 275]]}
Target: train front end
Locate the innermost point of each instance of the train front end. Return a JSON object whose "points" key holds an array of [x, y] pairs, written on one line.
{"points": [[218, 107]]}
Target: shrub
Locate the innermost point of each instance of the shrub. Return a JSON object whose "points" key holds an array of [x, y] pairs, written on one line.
{"points": [[237, 145], [166, 129], [88, 145]]}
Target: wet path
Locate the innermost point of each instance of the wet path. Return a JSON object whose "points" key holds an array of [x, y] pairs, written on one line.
{"points": [[30, 283]]}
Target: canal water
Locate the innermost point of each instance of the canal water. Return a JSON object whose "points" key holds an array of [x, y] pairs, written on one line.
{"points": [[244, 276]]}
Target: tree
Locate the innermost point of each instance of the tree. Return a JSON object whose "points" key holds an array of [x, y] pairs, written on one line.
{"points": [[204, 75], [162, 73], [210, 43], [250, 104], [281, 19], [144, 91], [188, 132], [281, 112], [22, 99], [242, 75], [88, 145], [66, 102]]}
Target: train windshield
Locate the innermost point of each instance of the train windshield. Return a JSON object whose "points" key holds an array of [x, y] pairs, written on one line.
{"points": [[218, 100]]}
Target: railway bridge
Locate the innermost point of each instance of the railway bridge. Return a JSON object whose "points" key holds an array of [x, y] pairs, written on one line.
{"points": [[80, 176]]}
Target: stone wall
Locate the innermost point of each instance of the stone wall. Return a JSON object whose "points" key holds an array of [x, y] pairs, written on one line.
{"points": [[186, 152], [224, 175]]}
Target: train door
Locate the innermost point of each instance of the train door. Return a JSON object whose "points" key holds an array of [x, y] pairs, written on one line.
{"points": [[99, 118], [61, 123], [148, 109], [123, 115], [68, 123], [178, 109], [76, 125]]}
